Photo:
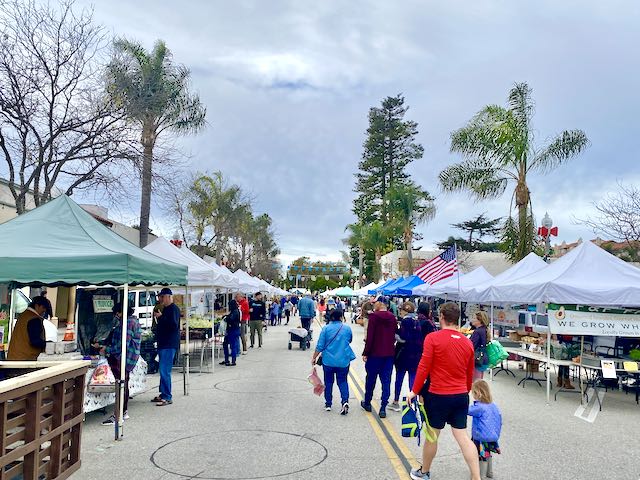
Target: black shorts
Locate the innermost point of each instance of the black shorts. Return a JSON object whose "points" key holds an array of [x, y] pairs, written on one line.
{"points": [[443, 409]]}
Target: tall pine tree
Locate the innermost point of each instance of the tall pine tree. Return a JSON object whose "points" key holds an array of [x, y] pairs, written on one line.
{"points": [[390, 146]]}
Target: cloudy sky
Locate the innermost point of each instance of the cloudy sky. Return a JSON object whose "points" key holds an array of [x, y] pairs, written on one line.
{"points": [[288, 85]]}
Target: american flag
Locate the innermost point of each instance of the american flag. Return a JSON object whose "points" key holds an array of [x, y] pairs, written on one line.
{"points": [[438, 268]]}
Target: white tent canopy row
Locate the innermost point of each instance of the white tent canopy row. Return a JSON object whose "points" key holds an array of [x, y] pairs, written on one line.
{"points": [[364, 291], [587, 275], [455, 285]]}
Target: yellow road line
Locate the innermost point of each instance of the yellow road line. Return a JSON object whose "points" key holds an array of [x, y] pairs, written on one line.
{"points": [[396, 461], [387, 423]]}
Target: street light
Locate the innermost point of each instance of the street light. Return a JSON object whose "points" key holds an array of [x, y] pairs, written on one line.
{"points": [[546, 231]]}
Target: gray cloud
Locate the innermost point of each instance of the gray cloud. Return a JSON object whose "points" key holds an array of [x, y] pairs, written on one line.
{"points": [[288, 85]]}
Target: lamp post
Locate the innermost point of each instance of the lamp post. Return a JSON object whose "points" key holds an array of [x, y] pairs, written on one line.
{"points": [[546, 232]]}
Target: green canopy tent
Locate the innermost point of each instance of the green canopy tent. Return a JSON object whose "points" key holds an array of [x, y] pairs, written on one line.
{"points": [[59, 244]]}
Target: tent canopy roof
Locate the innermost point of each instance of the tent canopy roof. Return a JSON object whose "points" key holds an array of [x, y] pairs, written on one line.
{"points": [[406, 287], [587, 275], [455, 284], [199, 275], [59, 244]]}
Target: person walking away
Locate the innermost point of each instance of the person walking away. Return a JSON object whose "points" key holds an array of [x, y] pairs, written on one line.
{"points": [[257, 311], [288, 307], [275, 313], [28, 338], [334, 344], [409, 343], [427, 325], [168, 340], [486, 426], [378, 355], [230, 343], [307, 311], [365, 311], [480, 337], [294, 302], [243, 304], [448, 361], [114, 353], [322, 308]]}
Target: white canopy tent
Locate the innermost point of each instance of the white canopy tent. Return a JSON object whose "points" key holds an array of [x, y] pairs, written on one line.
{"points": [[224, 280], [530, 264], [587, 275], [364, 291], [451, 287], [198, 275]]}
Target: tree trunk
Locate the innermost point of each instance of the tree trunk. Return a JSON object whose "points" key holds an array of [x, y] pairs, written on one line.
{"points": [[409, 246], [360, 261], [148, 140], [522, 202]]}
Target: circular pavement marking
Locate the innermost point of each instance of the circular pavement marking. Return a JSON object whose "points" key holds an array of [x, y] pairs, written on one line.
{"points": [[263, 385], [227, 455]]}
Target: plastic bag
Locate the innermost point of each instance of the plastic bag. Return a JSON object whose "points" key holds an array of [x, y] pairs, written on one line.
{"points": [[314, 379], [222, 326], [496, 353], [102, 379]]}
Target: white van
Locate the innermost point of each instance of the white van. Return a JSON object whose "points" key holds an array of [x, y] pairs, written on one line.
{"points": [[143, 302]]}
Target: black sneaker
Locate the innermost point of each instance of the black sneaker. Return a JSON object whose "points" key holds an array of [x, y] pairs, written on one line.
{"points": [[382, 413], [365, 406], [109, 421], [345, 408]]}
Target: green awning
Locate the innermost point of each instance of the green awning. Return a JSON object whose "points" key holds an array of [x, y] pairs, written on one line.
{"points": [[61, 244]]}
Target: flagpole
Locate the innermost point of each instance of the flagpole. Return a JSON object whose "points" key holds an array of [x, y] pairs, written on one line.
{"points": [[455, 252]]}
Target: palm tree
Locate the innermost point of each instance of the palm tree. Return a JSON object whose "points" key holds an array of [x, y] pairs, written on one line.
{"points": [[498, 146], [409, 207], [155, 94], [376, 237], [357, 239]]}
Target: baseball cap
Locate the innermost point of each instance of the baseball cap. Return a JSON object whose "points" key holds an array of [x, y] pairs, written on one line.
{"points": [[166, 291]]}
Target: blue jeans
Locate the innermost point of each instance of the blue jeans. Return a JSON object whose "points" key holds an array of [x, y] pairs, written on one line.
{"points": [[166, 356], [378, 367], [231, 343], [400, 373], [340, 374]]}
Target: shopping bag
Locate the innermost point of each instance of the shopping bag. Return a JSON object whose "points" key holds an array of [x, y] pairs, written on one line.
{"points": [[495, 353], [222, 326], [314, 379], [414, 421], [102, 379]]}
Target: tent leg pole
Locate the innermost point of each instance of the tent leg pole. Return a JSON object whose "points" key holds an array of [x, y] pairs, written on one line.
{"points": [[187, 340], [213, 331], [491, 371], [548, 362], [119, 423], [12, 312]]}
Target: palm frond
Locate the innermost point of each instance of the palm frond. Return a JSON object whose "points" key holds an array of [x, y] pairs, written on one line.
{"points": [[521, 104], [565, 146], [478, 176]]}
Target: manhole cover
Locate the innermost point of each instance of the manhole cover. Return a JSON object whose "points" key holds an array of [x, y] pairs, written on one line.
{"points": [[263, 385], [227, 455]]}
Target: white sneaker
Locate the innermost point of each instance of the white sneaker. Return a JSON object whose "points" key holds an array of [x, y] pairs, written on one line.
{"points": [[126, 415], [395, 406], [327, 408]]}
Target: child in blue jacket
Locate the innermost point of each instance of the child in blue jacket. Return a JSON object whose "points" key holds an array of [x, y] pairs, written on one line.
{"points": [[486, 426]]}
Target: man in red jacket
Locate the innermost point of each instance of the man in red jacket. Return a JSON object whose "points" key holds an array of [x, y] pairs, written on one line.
{"points": [[448, 362], [243, 303], [378, 355]]}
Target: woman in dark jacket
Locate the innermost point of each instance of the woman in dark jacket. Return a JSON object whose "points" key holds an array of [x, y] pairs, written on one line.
{"points": [[232, 335], [480, 337], [409, 349], [427, 324]]}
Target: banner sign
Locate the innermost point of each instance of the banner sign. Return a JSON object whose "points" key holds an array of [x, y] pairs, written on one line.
{"points": [[583, 320], [102, 304], [501, 316]]}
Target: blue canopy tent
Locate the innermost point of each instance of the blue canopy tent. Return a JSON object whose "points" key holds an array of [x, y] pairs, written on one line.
{"points": [[390, 289], [405, 289], [381, 287]]}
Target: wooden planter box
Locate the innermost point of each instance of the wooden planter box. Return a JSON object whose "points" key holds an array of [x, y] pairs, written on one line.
{"points": [[41, 415]]}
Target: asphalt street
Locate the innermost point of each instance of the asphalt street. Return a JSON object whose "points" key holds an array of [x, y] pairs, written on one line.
{"points": [[260, 420]]}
